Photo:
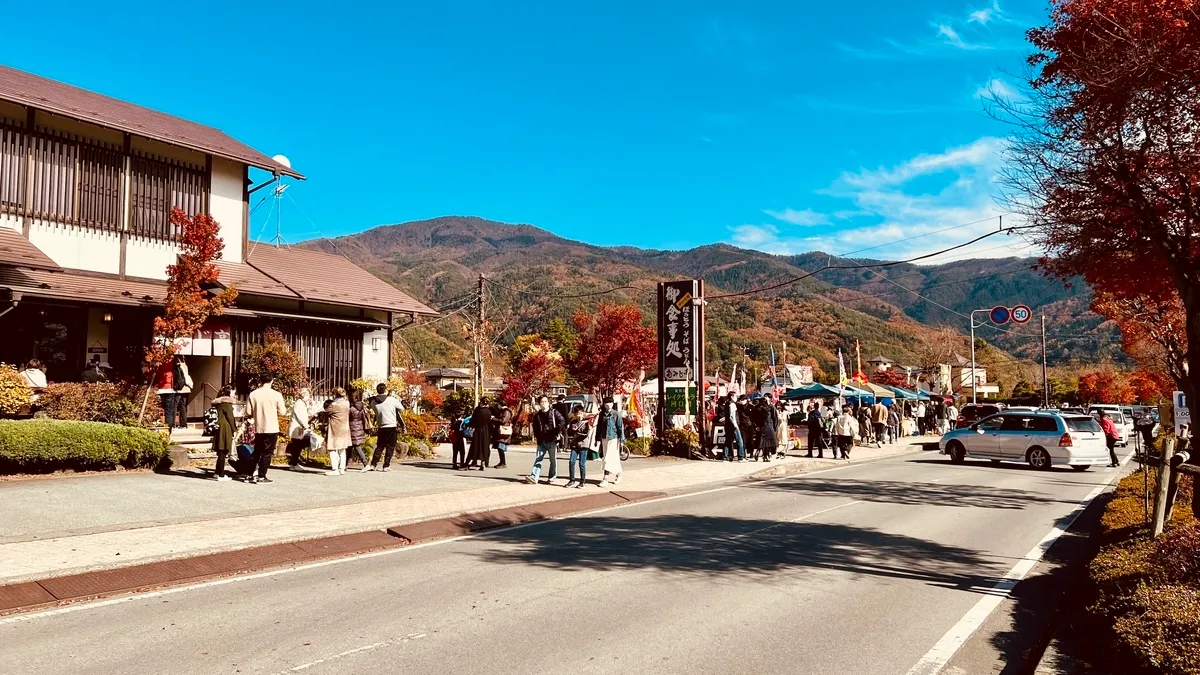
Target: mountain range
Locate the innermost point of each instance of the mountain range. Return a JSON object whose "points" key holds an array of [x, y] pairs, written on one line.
{"points": [[912, 314]]}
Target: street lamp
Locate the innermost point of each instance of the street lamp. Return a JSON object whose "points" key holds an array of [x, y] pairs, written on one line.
{"points": [[974, 377]]}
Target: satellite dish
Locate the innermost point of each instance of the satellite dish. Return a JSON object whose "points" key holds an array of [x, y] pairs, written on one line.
{"points": [[280, 159]]}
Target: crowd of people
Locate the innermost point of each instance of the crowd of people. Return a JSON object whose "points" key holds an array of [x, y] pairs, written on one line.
{"points": [[753, 426], [878, 423], [249, 446]]}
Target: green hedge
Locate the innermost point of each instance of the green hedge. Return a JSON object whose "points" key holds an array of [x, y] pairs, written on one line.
{"points": [[43, 446]]}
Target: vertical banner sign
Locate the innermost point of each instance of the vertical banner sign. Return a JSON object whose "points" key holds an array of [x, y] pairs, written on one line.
{"points": [[677, 343], [679, 340]]}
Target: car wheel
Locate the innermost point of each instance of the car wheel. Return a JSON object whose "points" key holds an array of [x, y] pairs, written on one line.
{"points": [[1039, 459], [958, 454], [1081, 467]]}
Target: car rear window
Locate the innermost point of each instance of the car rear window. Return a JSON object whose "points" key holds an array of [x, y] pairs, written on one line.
{"points": [[1082, 424]]}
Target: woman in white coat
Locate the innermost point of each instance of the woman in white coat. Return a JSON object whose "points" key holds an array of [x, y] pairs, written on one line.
{"points": [[610, 436]]}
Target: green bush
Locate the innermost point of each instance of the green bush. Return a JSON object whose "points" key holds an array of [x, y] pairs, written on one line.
{"points": [[677, 443], [43, 446], [640, 446]]}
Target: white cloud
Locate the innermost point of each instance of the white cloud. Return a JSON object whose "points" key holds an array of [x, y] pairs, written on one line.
{"points": [[980, 16], [805, 217], [997, 89], [924, 204]]}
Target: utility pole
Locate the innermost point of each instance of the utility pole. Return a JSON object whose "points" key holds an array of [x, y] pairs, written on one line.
{"points": [[478, 340], [1045, 380], [974, 368]]}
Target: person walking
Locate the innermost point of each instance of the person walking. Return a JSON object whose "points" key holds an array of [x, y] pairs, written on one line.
{"points": [[389, 420], [458, 443], [226, 426], [337, 437], [919, 417], [1111, 436], [299, 427], [863, 415], [358, 429], [265, 406], [845, 428], [879, 419], [481, 435], [182, 380], [893, 424], [768, 435], [815, 430], [577, 431], [951, 418], [548, 427], [733, 433], [502, 427], [610, 435], [164, 386]]}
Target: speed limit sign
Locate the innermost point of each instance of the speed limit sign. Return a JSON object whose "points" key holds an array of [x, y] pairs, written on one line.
{"points": [[1021, 314]]}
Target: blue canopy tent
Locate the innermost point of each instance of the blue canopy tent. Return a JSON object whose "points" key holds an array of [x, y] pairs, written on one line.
{"points": [[814, 390], [857, 395], [904, 393]]}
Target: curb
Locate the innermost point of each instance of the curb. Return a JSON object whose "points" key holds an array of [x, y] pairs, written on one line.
{"points": [[86, 586]]}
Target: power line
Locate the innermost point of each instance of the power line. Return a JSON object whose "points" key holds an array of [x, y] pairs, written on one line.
{"points": [[563, 297], [901, 241], [806, 275]]}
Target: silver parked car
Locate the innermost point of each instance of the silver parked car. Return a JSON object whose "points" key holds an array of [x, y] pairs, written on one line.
{"points": [[1041, 438]]}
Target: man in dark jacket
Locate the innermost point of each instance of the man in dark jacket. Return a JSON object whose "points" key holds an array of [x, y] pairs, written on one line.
{"points": [[548, 427], [564, 410]]}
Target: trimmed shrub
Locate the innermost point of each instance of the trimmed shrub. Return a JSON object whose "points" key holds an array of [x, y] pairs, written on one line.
{"points": [[640, 446], [99, 402], [15, 395], [677, 443], [415, 425], [43, 446]]}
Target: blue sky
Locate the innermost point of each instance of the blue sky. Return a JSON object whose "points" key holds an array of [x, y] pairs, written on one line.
{"points": [[782, 126]]}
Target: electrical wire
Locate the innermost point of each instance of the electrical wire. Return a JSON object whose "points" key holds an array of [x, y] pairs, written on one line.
{"points": [[893, 263], [564, 297], [441, 318], [901, 241]]}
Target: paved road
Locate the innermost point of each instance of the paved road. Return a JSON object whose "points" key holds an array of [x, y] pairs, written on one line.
{"points": [[861, 570]]}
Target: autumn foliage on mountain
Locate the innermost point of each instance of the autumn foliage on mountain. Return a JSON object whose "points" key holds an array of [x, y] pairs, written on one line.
{"points": [[1108, 165], [188, 302]]}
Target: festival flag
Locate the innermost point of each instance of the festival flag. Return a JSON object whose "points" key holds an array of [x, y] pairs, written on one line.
{"points": [[842, 379]]}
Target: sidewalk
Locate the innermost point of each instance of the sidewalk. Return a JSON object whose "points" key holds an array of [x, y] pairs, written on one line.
{"points": [[58, 526]]}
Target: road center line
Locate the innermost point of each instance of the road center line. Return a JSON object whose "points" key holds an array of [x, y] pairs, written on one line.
{"points": [[945, 649]]}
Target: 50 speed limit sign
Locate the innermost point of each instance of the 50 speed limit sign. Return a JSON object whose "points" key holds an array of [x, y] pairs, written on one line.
{"points": [[1021, 314]]}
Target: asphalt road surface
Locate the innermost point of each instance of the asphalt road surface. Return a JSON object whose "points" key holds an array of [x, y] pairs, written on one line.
{"points": [[859, 570]]}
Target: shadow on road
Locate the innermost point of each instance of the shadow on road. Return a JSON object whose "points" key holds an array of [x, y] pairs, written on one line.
{"points": [[913, 493], [732, 548]]}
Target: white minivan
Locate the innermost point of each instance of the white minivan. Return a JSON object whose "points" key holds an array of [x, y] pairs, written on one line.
{"points": [[1042, 438], [1123, 422]]}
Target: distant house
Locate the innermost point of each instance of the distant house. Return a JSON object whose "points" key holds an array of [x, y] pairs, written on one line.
{"points": [[448, 378], [881, 363], [557, 389]]}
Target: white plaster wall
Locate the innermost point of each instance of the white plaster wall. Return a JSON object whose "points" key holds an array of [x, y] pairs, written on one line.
{"points": [[148, 258], [375, 363], [10, 221], [78, 248], [226, 204]]}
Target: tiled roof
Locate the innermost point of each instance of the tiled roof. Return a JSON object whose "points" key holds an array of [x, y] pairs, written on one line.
{"points": [[247, 279], [68, 286], [15, 249], [322, 277], [63, 99]]}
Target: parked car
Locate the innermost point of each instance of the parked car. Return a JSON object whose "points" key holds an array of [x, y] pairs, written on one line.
{"points": [[1043, 439], [1123, 423], [973, 412]]}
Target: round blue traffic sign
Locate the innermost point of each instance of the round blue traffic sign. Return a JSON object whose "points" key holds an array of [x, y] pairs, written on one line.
{"points": [[1000, 315]]}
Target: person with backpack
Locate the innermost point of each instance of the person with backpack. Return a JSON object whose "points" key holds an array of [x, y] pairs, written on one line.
{"points": [[1111, 436], [548, 426], [502, 428], [458, 443]]}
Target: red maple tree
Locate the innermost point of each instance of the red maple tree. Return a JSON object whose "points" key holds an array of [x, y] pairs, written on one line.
{"points": [[613, 345], [890, 378], [1105, 386], [188, 303], [532, 368], [1107, 157]]}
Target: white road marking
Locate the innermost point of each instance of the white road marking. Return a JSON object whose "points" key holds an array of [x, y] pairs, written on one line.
{"points": [[80, 606], [945, 649], [350, 652]]}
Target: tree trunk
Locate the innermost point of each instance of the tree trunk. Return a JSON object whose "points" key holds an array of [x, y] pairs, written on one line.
{"points": [[1191, 305]]}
